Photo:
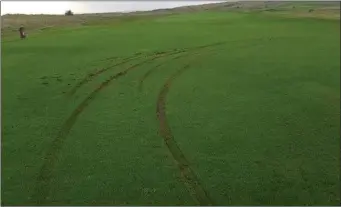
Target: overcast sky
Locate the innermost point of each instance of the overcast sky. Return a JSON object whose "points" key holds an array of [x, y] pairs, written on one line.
{"points": [[59, 7]]}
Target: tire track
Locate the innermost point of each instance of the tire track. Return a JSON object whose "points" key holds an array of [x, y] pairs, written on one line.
{"points": [[128, 59], [46, 172], [43, 182], [152, 70], [189, 177], [91, 76]]}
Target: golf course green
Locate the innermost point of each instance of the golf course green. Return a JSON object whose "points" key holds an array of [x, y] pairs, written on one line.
{"points": [[203, 108]]}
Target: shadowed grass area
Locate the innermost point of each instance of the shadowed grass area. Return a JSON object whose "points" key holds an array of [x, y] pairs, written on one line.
{"points": [[254, 117]]}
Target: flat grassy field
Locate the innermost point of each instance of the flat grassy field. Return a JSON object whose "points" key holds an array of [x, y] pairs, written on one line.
{"points": [[207, 108]]}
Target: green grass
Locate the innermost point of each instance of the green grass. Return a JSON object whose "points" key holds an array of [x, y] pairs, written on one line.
{"points": [[256, 117]]}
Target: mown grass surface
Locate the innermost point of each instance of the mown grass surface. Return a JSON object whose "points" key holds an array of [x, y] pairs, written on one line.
{"points": [[257, 116]]}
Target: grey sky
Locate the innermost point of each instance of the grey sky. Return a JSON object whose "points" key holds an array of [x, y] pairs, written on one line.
{"points": [[59, 7]]}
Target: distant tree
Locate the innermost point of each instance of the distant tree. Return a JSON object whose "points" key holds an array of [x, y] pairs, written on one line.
{"points": [[311, 10], [68, 13]]}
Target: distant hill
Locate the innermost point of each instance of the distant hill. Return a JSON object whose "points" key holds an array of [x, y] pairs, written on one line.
{"points": [[325, 9]]}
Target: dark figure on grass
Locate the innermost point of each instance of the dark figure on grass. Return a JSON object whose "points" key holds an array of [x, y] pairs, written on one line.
{"points": [[22, 32]]}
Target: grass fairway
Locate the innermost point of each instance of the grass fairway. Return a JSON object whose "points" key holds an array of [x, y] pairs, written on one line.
{"points": [[207, 108]]}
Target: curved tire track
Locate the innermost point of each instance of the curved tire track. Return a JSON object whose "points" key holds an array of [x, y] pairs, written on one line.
{"points": [[128, 59], [189, 177], [152, 70], [91, 76], [46, 172], [43, 182]]}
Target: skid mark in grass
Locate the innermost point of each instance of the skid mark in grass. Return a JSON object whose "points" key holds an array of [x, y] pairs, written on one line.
{"points": [[46, 172], [153, 69], [43, 182], [91, 76], [189, 178]]}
